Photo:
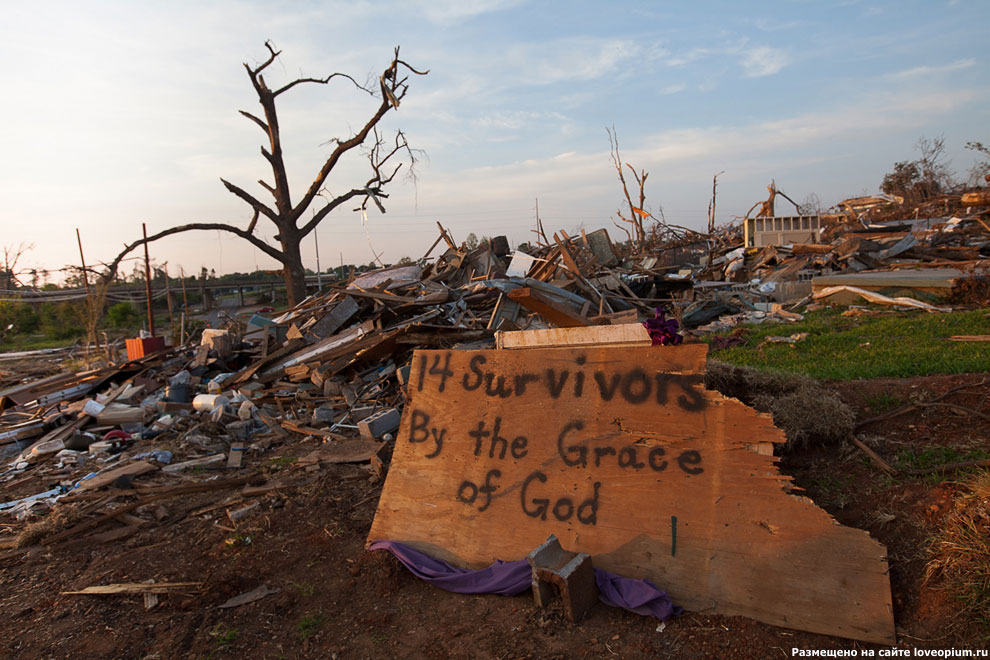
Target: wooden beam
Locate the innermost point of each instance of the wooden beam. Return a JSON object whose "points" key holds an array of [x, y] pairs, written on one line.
{"points": [[551, 311], [630, 334]]}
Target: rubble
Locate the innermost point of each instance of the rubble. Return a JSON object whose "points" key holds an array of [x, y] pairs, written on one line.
{"points": [[333, 370]]}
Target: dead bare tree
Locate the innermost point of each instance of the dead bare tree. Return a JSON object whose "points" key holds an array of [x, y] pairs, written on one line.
{"points": [[637, 214], [9, 270], [711, 204], [768, 207], [287, 214]]}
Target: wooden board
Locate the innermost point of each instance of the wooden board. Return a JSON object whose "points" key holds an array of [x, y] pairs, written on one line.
{"points": [[626, 334], [551, 310], [351, 450], [621, 453], [130, 469]]}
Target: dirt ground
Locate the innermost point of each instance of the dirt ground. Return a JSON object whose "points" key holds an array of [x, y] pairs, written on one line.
{"points": [[334, 600]]}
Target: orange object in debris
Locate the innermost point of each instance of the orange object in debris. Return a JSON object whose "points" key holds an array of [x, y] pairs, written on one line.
{"points": [[138, 348]]}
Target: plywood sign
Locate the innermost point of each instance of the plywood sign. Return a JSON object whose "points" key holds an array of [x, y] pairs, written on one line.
{"points": [[623, 454]]}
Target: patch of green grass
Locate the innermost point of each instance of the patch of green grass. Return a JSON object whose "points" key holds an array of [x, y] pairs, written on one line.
{"points": [[928, 457], [238, 541], [304, 588], [19, 343], [833, 490], [224, 635], [379, 637], [309, 624], [881, 403], [934, 456], [846, 348], [282, 462]]}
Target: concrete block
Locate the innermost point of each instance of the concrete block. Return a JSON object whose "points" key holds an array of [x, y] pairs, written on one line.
{"points": [[359, 413], [323, 416], [380, 423], [567, 574], [240, 430]]}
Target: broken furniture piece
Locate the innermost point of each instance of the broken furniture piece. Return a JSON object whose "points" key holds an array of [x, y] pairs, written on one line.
{"points": [[567, 574]]}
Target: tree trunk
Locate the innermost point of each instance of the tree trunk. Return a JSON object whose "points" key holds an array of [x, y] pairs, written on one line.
{"points": [[293, 271]]}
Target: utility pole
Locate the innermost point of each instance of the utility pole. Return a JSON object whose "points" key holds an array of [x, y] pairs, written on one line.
{"points": [[168, 299], [90, 303], [147, 282], [185, 301], [82, 259], [319, 277]]}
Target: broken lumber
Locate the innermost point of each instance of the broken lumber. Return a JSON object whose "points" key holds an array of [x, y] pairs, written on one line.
{"points": [[137, 588], [554, 312]]}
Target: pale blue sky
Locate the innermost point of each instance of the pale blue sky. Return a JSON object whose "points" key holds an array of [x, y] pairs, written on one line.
{"points": [[116, 113]]}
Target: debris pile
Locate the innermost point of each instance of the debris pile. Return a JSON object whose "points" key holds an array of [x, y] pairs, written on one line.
{"points": [[333, 369]]}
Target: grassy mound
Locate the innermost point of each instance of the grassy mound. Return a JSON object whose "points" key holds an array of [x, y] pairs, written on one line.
{"points": [[960, 554], [801, 406]]}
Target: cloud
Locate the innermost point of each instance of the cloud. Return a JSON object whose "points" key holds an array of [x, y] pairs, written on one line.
{"points": [[446, 12], [763, 61], [757, 61], [689, 56], [919, 71], [574, 58], [514, 120], [683, 155]]}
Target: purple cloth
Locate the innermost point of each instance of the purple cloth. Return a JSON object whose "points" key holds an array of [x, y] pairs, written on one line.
{"points": [[662, 331], [506, 578], [639, 596], [510, 578]]}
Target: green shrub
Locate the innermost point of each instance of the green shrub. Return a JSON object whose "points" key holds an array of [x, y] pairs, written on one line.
{"points": [[21, 316], [62, 320], [123, 315]]}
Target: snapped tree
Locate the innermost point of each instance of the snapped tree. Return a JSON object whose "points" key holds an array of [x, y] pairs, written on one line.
{"points": [[660, 230], [922, 179], [287, 213]]}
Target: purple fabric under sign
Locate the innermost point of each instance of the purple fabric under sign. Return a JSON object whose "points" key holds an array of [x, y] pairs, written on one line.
{"points": [[510, 578]]}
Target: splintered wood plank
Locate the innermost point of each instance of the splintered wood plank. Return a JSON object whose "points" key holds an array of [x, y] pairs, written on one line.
{"points": [[351, 450], [628, 334], [552, 311], [130, 469], [622, 453], [137, 588]]}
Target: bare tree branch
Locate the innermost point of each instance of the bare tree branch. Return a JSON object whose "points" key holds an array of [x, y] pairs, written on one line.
{"points": [[254, 203], [393, 90], [195, 226], [254, 221], [636, 213], [628, 235], [256, 120], [320, 81], [263, 184], [330, 206], [271, 58], [10, 258]]}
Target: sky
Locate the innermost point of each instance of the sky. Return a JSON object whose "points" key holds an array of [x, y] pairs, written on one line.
{"points": [[122, 113]]}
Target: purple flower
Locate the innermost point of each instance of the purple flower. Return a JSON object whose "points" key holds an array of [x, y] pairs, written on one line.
{"points": [[663, 332]]}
